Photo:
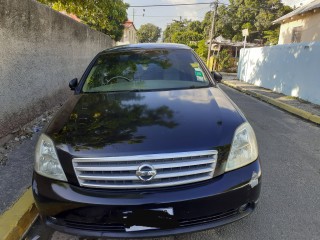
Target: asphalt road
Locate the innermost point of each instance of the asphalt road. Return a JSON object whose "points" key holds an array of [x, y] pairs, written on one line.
{"points": [[290, 200]]}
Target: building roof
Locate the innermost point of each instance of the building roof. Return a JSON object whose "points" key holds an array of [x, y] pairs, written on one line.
{"points": [[303, 9], [128, 24], [227, 42]]}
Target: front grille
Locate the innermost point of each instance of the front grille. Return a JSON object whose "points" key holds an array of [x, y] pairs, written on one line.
{"points": [[120, 226], [95, 227], [208, 219], [172, 169]]}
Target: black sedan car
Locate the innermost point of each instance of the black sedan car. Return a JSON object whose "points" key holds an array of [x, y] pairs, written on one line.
{"points": [[147, 146]]}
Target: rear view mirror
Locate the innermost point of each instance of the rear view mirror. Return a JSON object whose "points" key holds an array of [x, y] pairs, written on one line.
{"points": [[73, 83], [217, 76]]}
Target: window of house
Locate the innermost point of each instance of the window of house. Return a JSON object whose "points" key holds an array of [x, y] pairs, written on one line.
{"points": [[296, 34]]}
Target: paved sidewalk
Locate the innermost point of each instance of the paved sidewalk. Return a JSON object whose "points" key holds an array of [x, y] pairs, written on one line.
{"points": [[302, 108], [17, 160], [16, 166]]}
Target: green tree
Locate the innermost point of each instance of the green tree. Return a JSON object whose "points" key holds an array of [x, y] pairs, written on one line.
{"points": [[174, 27], [182, 26], [202, 49], [271, 36], [224, 60], [256, 15], [185, 32], [195, 26], [106, 16], [148, 33], [187, 38]]}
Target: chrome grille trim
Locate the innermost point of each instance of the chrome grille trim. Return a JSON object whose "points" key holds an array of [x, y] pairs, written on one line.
{"points": [[120, 172]]}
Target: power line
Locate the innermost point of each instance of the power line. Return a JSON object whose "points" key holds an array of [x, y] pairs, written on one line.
{"points": [[202, 3], [168, 16], [245, 8], [249, 8], [170, 5]]}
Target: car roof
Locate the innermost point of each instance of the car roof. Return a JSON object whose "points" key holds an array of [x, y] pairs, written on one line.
{"points": [[146, 46]]}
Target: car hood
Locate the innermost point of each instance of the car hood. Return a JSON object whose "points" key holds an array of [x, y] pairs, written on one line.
{"points": [[132, 123]]}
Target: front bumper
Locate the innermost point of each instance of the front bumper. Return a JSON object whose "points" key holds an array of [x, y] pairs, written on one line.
{"points": [[112, 213]]}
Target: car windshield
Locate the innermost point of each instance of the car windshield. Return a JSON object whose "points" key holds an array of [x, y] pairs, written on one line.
{"points": [[141, 70]]}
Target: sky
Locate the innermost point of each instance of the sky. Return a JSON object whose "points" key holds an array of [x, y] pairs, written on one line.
{"points": [[161, 16]]}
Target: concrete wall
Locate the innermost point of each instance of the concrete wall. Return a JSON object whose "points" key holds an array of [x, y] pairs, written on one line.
{"points": [[292, 69], [310, 24], [40, 51]]}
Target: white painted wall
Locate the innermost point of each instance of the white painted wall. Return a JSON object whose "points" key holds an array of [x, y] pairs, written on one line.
{"points": [[292, 69]]}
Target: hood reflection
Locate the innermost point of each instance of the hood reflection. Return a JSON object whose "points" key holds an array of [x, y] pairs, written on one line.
{"points": [[104, 119], [135, 123], [203, 97]]}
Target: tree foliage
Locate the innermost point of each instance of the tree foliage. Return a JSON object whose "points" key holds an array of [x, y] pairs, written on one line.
{"points": [[106, 16], [201, 49], [189, 33], [184, 32], [271, 36], [148, 33], [224, 60], [187, 37], [256, 15]]}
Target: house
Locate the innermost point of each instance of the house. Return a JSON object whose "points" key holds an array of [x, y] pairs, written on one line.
{"points": [[300, 25], [129, 34], [219, 44]]}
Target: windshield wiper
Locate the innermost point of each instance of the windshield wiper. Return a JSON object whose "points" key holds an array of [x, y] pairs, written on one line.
{"points": [[194, 86], [123, 91]]}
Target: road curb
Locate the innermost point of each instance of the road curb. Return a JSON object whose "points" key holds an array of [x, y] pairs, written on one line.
{"points": [[18, 219], [296, 111]]}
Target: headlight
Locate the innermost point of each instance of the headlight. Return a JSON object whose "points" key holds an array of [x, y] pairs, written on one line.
{"points": [[244, 149], [46, 159]]}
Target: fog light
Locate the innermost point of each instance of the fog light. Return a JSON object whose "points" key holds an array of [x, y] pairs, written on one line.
{"points": [[52, 219], [254, 180], [244, 207]]}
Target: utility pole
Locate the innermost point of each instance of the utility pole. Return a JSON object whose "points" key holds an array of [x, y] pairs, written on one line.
{"points": [[212, 29], [132, 14], [245, 41]]}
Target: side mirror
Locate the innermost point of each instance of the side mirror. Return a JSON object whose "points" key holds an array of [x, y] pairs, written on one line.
{"points": [[73, 83], [217, 76]]}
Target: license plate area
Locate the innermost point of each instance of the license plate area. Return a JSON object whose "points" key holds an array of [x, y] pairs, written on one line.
{"points": [[148, 219]]}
